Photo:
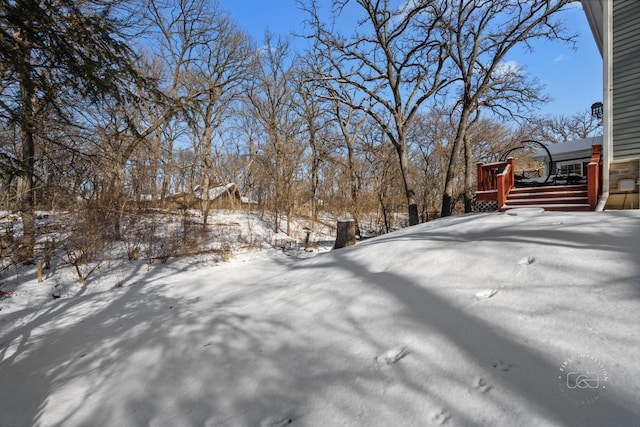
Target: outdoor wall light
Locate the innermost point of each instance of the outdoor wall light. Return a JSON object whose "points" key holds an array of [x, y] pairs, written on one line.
{"points": [[597, 110]]}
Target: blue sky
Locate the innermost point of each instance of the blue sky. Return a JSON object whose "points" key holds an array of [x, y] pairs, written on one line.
{"points": [[573, 77]]}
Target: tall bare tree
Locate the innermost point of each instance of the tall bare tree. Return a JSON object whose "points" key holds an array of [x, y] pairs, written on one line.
{"points": [[431, 134], [347, 118], [271, 102], [394, 59], [350, 122], [316, 122], [120, 132], [206, 56], [215, 83]]}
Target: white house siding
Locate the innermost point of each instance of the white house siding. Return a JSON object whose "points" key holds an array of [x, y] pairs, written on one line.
{"points": [[626, 79]]}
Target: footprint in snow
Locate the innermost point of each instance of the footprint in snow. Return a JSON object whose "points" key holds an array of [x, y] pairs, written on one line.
{"points": [[440, 416], [480, 384], [277, 421], [486, 294], [526, 260], [502, 365], [392, 356]]}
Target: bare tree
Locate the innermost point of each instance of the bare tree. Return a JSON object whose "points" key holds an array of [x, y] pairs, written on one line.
{"points": [[167, 115], [394, 59], [350, 123], [246, 133], [271, 102], [206, 57], [113, 146], [431, 135], [174, 42], [481, 33], [215, 83], [349, 120], [382, 176], [562, 128], [317, 122], [491, 138]]}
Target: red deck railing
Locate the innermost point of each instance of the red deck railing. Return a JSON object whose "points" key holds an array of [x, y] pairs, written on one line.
{"points": [[495, 180], [593, 176]]}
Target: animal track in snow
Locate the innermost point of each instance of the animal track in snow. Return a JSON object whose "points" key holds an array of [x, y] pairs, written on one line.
{"points": [[526, 260], [480, 384], [276, 421], [502, 365], [486, 294], [392, 356], [440, 416]]}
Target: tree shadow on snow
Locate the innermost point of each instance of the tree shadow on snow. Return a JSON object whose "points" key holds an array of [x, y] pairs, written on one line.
{"points": [[478, 340], [102, 351], [556, 233], [142, 355]]}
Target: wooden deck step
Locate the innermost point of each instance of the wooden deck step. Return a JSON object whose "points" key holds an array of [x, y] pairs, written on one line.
{"points": [[547, 194], [548, 201], [549, 188], [552, 207], [551, 198]]}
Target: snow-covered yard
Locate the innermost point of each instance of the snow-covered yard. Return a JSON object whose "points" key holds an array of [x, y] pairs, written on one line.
{"points": [[528, 319]]}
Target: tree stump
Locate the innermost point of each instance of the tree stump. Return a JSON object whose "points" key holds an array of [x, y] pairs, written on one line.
{"points": [[346, 233], [307, 239]]}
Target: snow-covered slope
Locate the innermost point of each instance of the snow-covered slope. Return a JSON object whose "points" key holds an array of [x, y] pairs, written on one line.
{"points": [[529, 319]]}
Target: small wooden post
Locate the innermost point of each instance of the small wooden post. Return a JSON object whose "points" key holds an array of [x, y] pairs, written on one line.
{"points": [[346, 233], [49, 247], [39, 271]]}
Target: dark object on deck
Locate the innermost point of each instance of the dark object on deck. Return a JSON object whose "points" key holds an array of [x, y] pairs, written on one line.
{"points": [[523, 145], [346, 233]]}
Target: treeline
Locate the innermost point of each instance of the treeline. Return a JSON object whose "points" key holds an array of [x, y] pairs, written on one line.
{"points": [[107, 106]]}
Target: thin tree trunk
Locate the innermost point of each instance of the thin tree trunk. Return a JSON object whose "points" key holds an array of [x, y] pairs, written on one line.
{"points": [[409, 191], [447, 195], [468, 176], [314, 193], [353, 184], [27, 197], [206, 203], [167, 172], [384, 212], [114, 202]]}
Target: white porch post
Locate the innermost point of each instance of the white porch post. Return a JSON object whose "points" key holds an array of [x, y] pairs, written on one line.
{"points": [[607, 118]]}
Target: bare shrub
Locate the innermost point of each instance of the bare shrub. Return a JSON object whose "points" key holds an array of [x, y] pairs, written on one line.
{"points": [[183, 239], [7, 242], [85, 243], [148, 236], [224, 253], [131, 237]]}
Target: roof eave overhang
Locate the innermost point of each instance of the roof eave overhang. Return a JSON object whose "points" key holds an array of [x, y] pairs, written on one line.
{"points": [[594, 10]]}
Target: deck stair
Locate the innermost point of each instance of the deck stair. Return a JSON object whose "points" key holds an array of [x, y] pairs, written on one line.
{"points": [[551, 198]]}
